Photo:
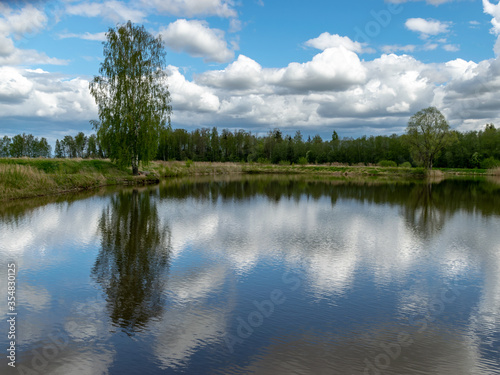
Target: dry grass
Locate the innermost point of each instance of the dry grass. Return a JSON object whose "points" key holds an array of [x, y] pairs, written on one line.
{"points": [[494, 171], [22, 180]]}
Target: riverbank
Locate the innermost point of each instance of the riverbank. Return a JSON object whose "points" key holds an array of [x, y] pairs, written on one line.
{"points": [[25, 178]]}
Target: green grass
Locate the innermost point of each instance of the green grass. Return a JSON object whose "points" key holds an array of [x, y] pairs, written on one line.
{"points": [[24, 177]]}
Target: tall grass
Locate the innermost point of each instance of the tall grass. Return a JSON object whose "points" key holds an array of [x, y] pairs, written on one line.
{"points": [[494, 171], [17, 180]]}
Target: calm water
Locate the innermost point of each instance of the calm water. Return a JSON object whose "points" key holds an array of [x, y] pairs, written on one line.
{"points": [[258, 275]]}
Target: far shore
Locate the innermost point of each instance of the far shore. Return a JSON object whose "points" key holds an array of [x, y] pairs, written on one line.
{"points": [[26, 178]]}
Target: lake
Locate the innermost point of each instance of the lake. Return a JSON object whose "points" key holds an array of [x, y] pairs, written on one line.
{"points": [[256, 275]]}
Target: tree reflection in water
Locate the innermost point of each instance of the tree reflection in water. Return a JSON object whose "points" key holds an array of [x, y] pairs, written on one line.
{"points": [[132, 263]]}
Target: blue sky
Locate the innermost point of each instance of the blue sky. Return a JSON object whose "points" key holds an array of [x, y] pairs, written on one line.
{"points": [[359, 67]]}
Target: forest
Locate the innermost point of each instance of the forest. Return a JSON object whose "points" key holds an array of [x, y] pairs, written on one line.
{"points": [[472, 149]]}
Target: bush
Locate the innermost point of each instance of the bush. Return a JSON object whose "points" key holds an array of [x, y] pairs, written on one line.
{"points": [[406, 164], [302, 161], [189, 163], [387, 163], [263, 161], [284, 162], [490, 163]]}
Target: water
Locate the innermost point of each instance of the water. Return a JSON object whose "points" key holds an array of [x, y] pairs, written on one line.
{"points": [[256, 275]]}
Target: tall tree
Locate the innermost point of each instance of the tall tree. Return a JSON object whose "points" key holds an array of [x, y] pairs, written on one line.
{"points": [[131, 95], [4, 147], [17, 146], [428, 133], [59, 150]]}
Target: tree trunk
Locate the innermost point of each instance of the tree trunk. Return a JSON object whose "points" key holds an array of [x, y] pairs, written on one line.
{"points": [[135, 168]]}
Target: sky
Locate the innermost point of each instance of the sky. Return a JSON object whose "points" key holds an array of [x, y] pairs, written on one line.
{"points": [[358, 67]]}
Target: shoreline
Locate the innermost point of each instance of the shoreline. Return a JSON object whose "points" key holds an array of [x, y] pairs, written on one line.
{"points": [[29, 178]]}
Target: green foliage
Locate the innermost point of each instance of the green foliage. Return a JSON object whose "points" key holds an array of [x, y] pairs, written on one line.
{"points": [[406, 164], [387, 163], [302, 160], [428, 133], [131, 95], [284, 162], [189, 163], [490, 163], [263, 161], [25, 145]]}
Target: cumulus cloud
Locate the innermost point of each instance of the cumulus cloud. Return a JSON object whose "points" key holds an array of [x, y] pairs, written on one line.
{"points": [[116, 11], [427, 27], [197, 39], [24, 21], [16, 24], [494, 11], [14, 87], [188, 96], [241, 75], [39, 94], [333, 69], [327, 40], [192, 8]]}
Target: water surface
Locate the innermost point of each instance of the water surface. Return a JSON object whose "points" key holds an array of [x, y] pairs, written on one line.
{"points": [[263, 275]]}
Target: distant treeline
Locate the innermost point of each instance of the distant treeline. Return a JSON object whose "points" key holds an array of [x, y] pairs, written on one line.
{"points": [[24, 145], [473, 149]]}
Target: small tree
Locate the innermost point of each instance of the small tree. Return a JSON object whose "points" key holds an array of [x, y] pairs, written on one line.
{"points": [[4, 147], [428, 133], [131, 95], [59, 150]]}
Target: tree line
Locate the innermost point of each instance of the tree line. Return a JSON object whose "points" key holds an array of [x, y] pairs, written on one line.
{"points": [[472, 149], [24, 145]]}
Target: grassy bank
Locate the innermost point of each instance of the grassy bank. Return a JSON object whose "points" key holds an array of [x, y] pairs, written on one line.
{"points": [[23, 178]]}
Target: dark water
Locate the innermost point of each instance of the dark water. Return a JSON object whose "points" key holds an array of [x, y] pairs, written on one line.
{"points": [[258, 275]]}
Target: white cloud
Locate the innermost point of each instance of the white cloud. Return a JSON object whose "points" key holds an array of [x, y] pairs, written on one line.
{"points": [[113, 10], [188, 96], [333, 69], [14, 87], [451, 47], [427, 27], [193, 8], [16, 24], [197, 39], [432, 2], [24, 21], [242, 75], [327, 40], [494, 11], [399, 48], [86, 36], [38, 94]]}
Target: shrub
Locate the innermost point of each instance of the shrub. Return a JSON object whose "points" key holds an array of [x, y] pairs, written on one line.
{"points": [[490, 163], [284, 162], [263, 161], [189, 163], [302, 161], [406, 164], [387, 163]]}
